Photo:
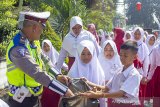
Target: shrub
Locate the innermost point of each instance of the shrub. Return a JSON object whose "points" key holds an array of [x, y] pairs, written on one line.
{"points": [[50, 34]]}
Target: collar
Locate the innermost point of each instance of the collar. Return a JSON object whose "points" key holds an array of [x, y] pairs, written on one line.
{"points": [[73, 35], [23, 38], [32, 45], [25, 41], [128, 70], [22, 34]]}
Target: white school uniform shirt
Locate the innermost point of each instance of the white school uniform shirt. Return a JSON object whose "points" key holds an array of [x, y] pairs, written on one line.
{"points": [[71, 41], [143, 53], [92, 70], [155, 61], [53, 54], [127, 81], [110, 66]]}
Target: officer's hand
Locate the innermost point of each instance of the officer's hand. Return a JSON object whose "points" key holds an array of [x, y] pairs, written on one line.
{"points": [[63, 79], [69, 93]]}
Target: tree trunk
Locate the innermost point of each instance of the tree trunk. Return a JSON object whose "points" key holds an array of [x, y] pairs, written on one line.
{"points": [[20, 5]]}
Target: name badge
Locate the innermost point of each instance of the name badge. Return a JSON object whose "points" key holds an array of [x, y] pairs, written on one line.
{"points": [[21, 94]]}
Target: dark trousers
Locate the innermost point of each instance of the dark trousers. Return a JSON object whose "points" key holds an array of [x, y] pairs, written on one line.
{"points": [[27, 102]]}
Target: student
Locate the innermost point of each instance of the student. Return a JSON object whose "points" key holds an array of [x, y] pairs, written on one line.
{"points": [[123, 88], [72, 39], [102, 37], [145, 36], [118, 37], [127, 36], [92, 28], [154, 75], [143, 52], [150, 42], [112, 35], [86, 64], [157, 37], [51, 52], [47, 95], [109, 59]]}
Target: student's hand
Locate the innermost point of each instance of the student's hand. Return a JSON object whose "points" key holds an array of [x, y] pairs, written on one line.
{"points": [[69, 93], [147, 80], [63, 79], [144, 81], [94, 89], [92, 94]]}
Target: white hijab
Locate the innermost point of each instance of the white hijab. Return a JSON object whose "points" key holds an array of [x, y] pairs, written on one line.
{"points": [[142, 35], [110, 66], [52, 54], [92, 71], [127, 32], [147, 42], [142, 47], [75, 20]]}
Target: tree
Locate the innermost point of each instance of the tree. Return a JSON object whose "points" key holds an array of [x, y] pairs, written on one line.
{"points": [[50, 34], [8, 24], [62, 11], [144, 17], [101, 14]]}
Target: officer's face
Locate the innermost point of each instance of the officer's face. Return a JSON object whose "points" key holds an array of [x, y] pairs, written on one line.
{"points": [[37, 31]]}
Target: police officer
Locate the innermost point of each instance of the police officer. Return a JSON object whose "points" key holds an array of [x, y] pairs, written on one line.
{"points": [[25, 66]]}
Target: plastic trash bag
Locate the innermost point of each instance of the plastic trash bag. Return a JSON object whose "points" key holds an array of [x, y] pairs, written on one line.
{"points": [[77, 86]]}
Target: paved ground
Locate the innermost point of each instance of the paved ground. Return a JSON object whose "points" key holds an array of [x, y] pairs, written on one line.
{"points": [[3, 78], [3, 81]]}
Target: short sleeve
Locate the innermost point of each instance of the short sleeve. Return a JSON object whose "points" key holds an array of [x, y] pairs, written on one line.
{"points": [[131, 85]]}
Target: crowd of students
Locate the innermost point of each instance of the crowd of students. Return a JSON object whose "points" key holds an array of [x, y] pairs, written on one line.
{"points": [[123, 67]]}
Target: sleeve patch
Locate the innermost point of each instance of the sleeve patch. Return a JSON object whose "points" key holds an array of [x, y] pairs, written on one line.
{"points": [[21, 51]]}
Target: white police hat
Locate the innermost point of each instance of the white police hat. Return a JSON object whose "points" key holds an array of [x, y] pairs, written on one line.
{"points": [[40, 17]]}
